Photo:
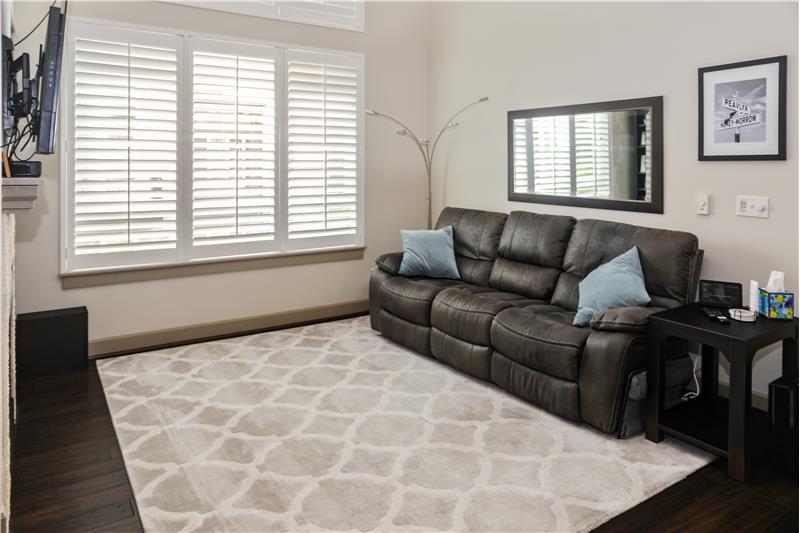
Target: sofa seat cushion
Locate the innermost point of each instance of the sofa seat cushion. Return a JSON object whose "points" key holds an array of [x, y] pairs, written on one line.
{"points": [[466, 312], [411, 298], [541, 337]]}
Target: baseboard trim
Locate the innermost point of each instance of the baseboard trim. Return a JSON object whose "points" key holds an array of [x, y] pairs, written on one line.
{"points": [[759, 400], [164, 338]]}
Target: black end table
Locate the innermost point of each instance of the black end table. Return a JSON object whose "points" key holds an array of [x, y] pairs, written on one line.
{"points": [[727, 427]]}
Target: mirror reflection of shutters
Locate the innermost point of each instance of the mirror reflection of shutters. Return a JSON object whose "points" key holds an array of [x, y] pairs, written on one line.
{"points": [[552, 167], [592, 155]]}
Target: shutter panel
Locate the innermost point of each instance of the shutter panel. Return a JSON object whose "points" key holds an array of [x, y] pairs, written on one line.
{"points": [[124, 171], [323, 165], [551, 155], [233, 145], [592, 155]]}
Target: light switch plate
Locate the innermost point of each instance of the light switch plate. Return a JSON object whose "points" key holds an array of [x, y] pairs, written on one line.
{"points": [[752, 206], [703, 204]]}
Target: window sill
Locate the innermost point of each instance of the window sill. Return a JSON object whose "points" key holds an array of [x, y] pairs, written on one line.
{"points": [[114, 275]]}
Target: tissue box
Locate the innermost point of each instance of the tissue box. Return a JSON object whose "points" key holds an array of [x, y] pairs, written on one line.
{"points": [[776, 304]]}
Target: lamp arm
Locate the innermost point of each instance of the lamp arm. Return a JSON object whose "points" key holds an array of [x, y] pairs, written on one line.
{"points": [[410, 133], [425, 148], [449, 124]]}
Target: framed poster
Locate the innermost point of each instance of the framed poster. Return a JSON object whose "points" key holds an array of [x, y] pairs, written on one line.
{"points": [[743, 111]]}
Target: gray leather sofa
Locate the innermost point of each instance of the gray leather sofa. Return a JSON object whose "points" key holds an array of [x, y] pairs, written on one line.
{"points": [[508, 319]]}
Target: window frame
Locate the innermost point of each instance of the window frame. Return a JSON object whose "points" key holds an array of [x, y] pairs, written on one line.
{"points": [[297, 12], [71, 264]]}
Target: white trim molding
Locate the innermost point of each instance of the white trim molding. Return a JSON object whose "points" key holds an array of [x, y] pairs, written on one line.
{"points": [[339, 14]]}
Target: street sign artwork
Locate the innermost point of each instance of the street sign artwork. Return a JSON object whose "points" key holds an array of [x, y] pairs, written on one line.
{"points": [[740, 116]]}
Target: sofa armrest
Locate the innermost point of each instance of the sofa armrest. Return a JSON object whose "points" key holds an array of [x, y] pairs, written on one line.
{"points": [[608, 359], [390, 262], [624, 319]]}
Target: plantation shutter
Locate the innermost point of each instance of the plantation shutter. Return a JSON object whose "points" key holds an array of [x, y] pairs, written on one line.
{"points": [[124, 146], [551, 155], [323, 162], [592, 155], [234, 163]]}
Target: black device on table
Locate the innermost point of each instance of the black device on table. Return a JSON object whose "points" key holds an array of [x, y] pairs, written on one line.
{"points": [[717, 296]]}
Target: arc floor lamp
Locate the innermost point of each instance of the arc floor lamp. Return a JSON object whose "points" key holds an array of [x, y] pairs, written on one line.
{"points": [[425, 147]]}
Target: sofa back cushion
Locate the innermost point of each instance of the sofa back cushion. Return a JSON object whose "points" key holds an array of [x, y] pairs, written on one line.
{"points": [[476, 236], [667, 257], [531, 253]]}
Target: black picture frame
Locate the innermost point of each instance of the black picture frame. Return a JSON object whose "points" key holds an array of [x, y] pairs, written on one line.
{"points": [[656, 203], [780, 155]]}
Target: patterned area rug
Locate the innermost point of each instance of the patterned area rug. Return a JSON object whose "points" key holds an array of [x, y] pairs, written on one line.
{"points": [[332, 427]]}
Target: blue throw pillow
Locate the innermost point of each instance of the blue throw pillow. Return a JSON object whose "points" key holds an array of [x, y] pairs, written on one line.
{"points": [[429, 253], [618, 283]]}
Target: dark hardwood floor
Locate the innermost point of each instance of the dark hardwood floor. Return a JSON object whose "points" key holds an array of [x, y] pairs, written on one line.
{"points": [[68, 475]]}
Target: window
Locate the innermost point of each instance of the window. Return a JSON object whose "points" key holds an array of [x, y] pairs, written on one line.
{"points": [[179, 148], [342, 14]]}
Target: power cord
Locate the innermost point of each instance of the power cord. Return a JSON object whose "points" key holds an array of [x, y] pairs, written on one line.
{"points": [[37, 25], [696, 392]]}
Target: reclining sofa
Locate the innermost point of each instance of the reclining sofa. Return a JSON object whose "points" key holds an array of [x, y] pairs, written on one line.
{"points": [[509, 318]]}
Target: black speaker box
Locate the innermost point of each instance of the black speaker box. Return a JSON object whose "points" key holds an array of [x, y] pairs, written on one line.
{"points": [[51, 342], [783, 418]]}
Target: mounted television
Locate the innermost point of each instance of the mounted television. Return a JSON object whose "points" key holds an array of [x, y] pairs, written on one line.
{"points": [[48, 76], [34, 100]]}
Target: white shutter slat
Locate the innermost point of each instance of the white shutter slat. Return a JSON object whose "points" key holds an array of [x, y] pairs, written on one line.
{"points": [[323, 143], [234, 157], [125, 146]]}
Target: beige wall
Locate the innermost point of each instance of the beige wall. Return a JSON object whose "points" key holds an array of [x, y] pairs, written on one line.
{"points": [[437, 57], [528, 55], [395, 48]]}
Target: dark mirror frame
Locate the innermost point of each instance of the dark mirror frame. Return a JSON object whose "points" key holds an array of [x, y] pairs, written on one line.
{"points": [[655, 205]]}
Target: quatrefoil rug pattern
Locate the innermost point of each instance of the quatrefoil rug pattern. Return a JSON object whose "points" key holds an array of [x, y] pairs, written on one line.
{"points": [[333, 427]]}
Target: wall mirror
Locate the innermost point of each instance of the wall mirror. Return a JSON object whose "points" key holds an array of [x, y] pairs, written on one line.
{"points": [[606, 155]]}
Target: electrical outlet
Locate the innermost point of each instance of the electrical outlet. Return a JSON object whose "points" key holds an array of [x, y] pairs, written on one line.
{"points": [[703, 206], [752, 206]]}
